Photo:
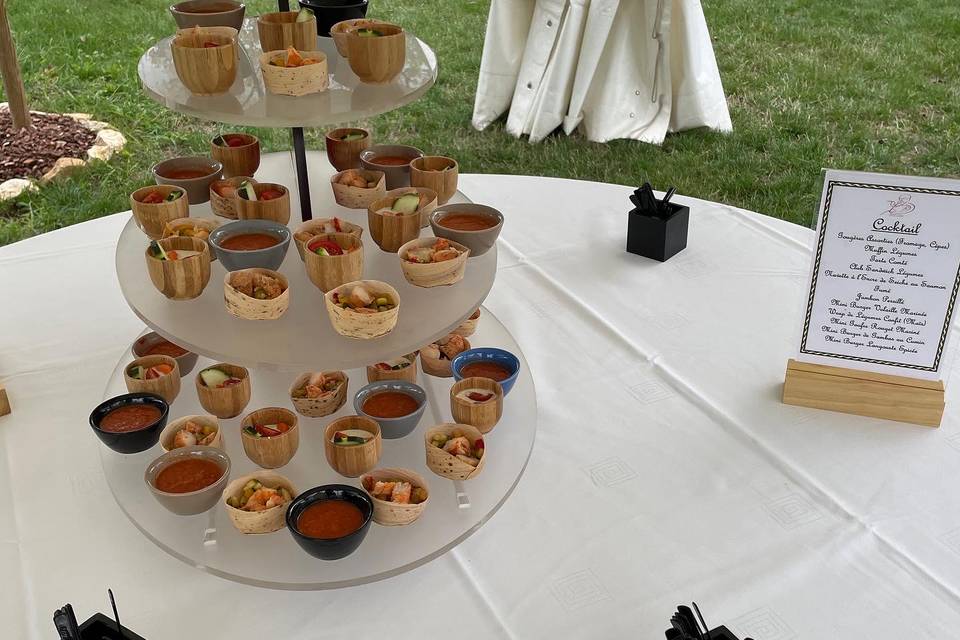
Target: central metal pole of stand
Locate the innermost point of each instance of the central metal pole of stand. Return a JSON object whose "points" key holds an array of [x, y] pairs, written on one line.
{"points": [[300, 155]]}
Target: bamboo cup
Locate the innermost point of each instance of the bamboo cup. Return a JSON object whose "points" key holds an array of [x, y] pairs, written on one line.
{"points": [[294, 81], [379, 59], [311, 228], [391, 513], [329, 272], [355, 460], [364, 326], [170, 431], [484, 415], [408, 374], [469, 326], [345, 154], [152, 218], [249, 308], [339, 32], [226, 402], [391, 231], [433, 274], [428, 202], [354, 197], [437, 173], [267, 521], [182, 279], [324, 405], [275, 451], [448, 465], [277, 209], [206, 70], [226, 206], [167, 386], [237, 161], [280, 29]]}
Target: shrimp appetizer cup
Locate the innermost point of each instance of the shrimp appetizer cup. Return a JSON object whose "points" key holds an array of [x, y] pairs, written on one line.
{"points": [[363, 309], [154, 374], [433, 262], [192, 430], [256, 294], [437, 357], [455, 451], [399, 495], [319, 394], [223, 389], [257, 503], [357, 188], [469, 326], [294, 73], [270, 436]]}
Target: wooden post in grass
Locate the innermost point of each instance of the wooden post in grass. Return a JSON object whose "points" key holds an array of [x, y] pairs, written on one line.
{"points": [[10, 70]]}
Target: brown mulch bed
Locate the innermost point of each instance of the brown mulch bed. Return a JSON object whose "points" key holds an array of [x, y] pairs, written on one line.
{"points": [[30, 153]]}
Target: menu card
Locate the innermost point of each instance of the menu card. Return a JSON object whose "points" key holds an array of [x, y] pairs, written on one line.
{"points": [[885, 273]]}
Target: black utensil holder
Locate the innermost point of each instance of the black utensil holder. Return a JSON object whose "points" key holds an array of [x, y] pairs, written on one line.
{"points": [[100, 627], [658, 238], [720, 633]]}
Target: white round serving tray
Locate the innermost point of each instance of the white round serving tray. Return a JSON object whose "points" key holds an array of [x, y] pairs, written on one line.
{"points": [[456, 509]]}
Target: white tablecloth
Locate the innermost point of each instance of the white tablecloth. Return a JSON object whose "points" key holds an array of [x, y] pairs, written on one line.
{"points": [[618, 69], [665, 469]]}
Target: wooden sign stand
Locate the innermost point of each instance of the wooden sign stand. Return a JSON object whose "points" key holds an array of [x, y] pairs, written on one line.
{"points": [[4, 402], [864, 393]]}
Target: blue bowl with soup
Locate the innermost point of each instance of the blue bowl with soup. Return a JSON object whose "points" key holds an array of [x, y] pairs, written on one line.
{"points": [[245, 244], [487, 362]]}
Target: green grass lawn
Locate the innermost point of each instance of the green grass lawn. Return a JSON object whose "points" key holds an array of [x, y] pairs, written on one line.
{"points": [[810, 84]]}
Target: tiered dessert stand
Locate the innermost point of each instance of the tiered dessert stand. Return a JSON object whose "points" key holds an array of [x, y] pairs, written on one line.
{"points": [[303, 340]]}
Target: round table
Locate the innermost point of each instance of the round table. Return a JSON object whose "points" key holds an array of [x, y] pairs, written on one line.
{"points": [[666, 469]]}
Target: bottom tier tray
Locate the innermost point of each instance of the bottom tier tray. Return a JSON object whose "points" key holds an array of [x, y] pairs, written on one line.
{"points": [[456, 509]]}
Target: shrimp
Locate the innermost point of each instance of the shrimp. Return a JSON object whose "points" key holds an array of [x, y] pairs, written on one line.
{"points": [[446, 254], [262, 499]]}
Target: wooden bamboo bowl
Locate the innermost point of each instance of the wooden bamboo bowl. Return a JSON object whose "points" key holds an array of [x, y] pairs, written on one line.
{"points": [[339, 32], [380, 59], [277, 209], [226, 206], [324, 405], [180, 279], [345, 154], [276, 451], [172, 229], [248, 308], [391, 514], [364, 326], [428, 202], [170, 431], [316, 227], [294, 81], [447, 465], [433, 274], [253, 522], [280, 29], [167, 387], [329, 272], [354, 197], [243, 160], [206, 70], [469, 326], [437, 173], [391, 232], [484, 416], [152, 218], [228, 402], [435, 365], [353, 461], [407, 374]]}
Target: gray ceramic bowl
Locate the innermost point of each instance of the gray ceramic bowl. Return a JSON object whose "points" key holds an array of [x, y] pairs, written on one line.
{"points": [[198, 189], [269, 258], [392, 428], [144, 343], [194, 502], [232, 16], [398, 175], [479, 242]]}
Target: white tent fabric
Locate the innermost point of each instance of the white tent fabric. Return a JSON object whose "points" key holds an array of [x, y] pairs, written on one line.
{"points": [[619, 69]]}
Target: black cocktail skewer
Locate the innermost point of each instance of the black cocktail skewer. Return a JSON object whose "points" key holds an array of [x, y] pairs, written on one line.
{"points": [[116, 616]]}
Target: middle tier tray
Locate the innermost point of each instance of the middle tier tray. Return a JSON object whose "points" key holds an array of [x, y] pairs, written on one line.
{"points": [[303, 337]]}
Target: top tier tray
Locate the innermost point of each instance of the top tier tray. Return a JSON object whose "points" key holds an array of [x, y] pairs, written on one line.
{"points": [[248, 103]]}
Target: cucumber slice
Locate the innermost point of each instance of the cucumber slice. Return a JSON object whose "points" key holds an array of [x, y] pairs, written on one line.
{"points": [[137, 373], [408, 203], [213, 377], [247, 190], [173, 195], [368, 33], [352, 136], [304, 15]]}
